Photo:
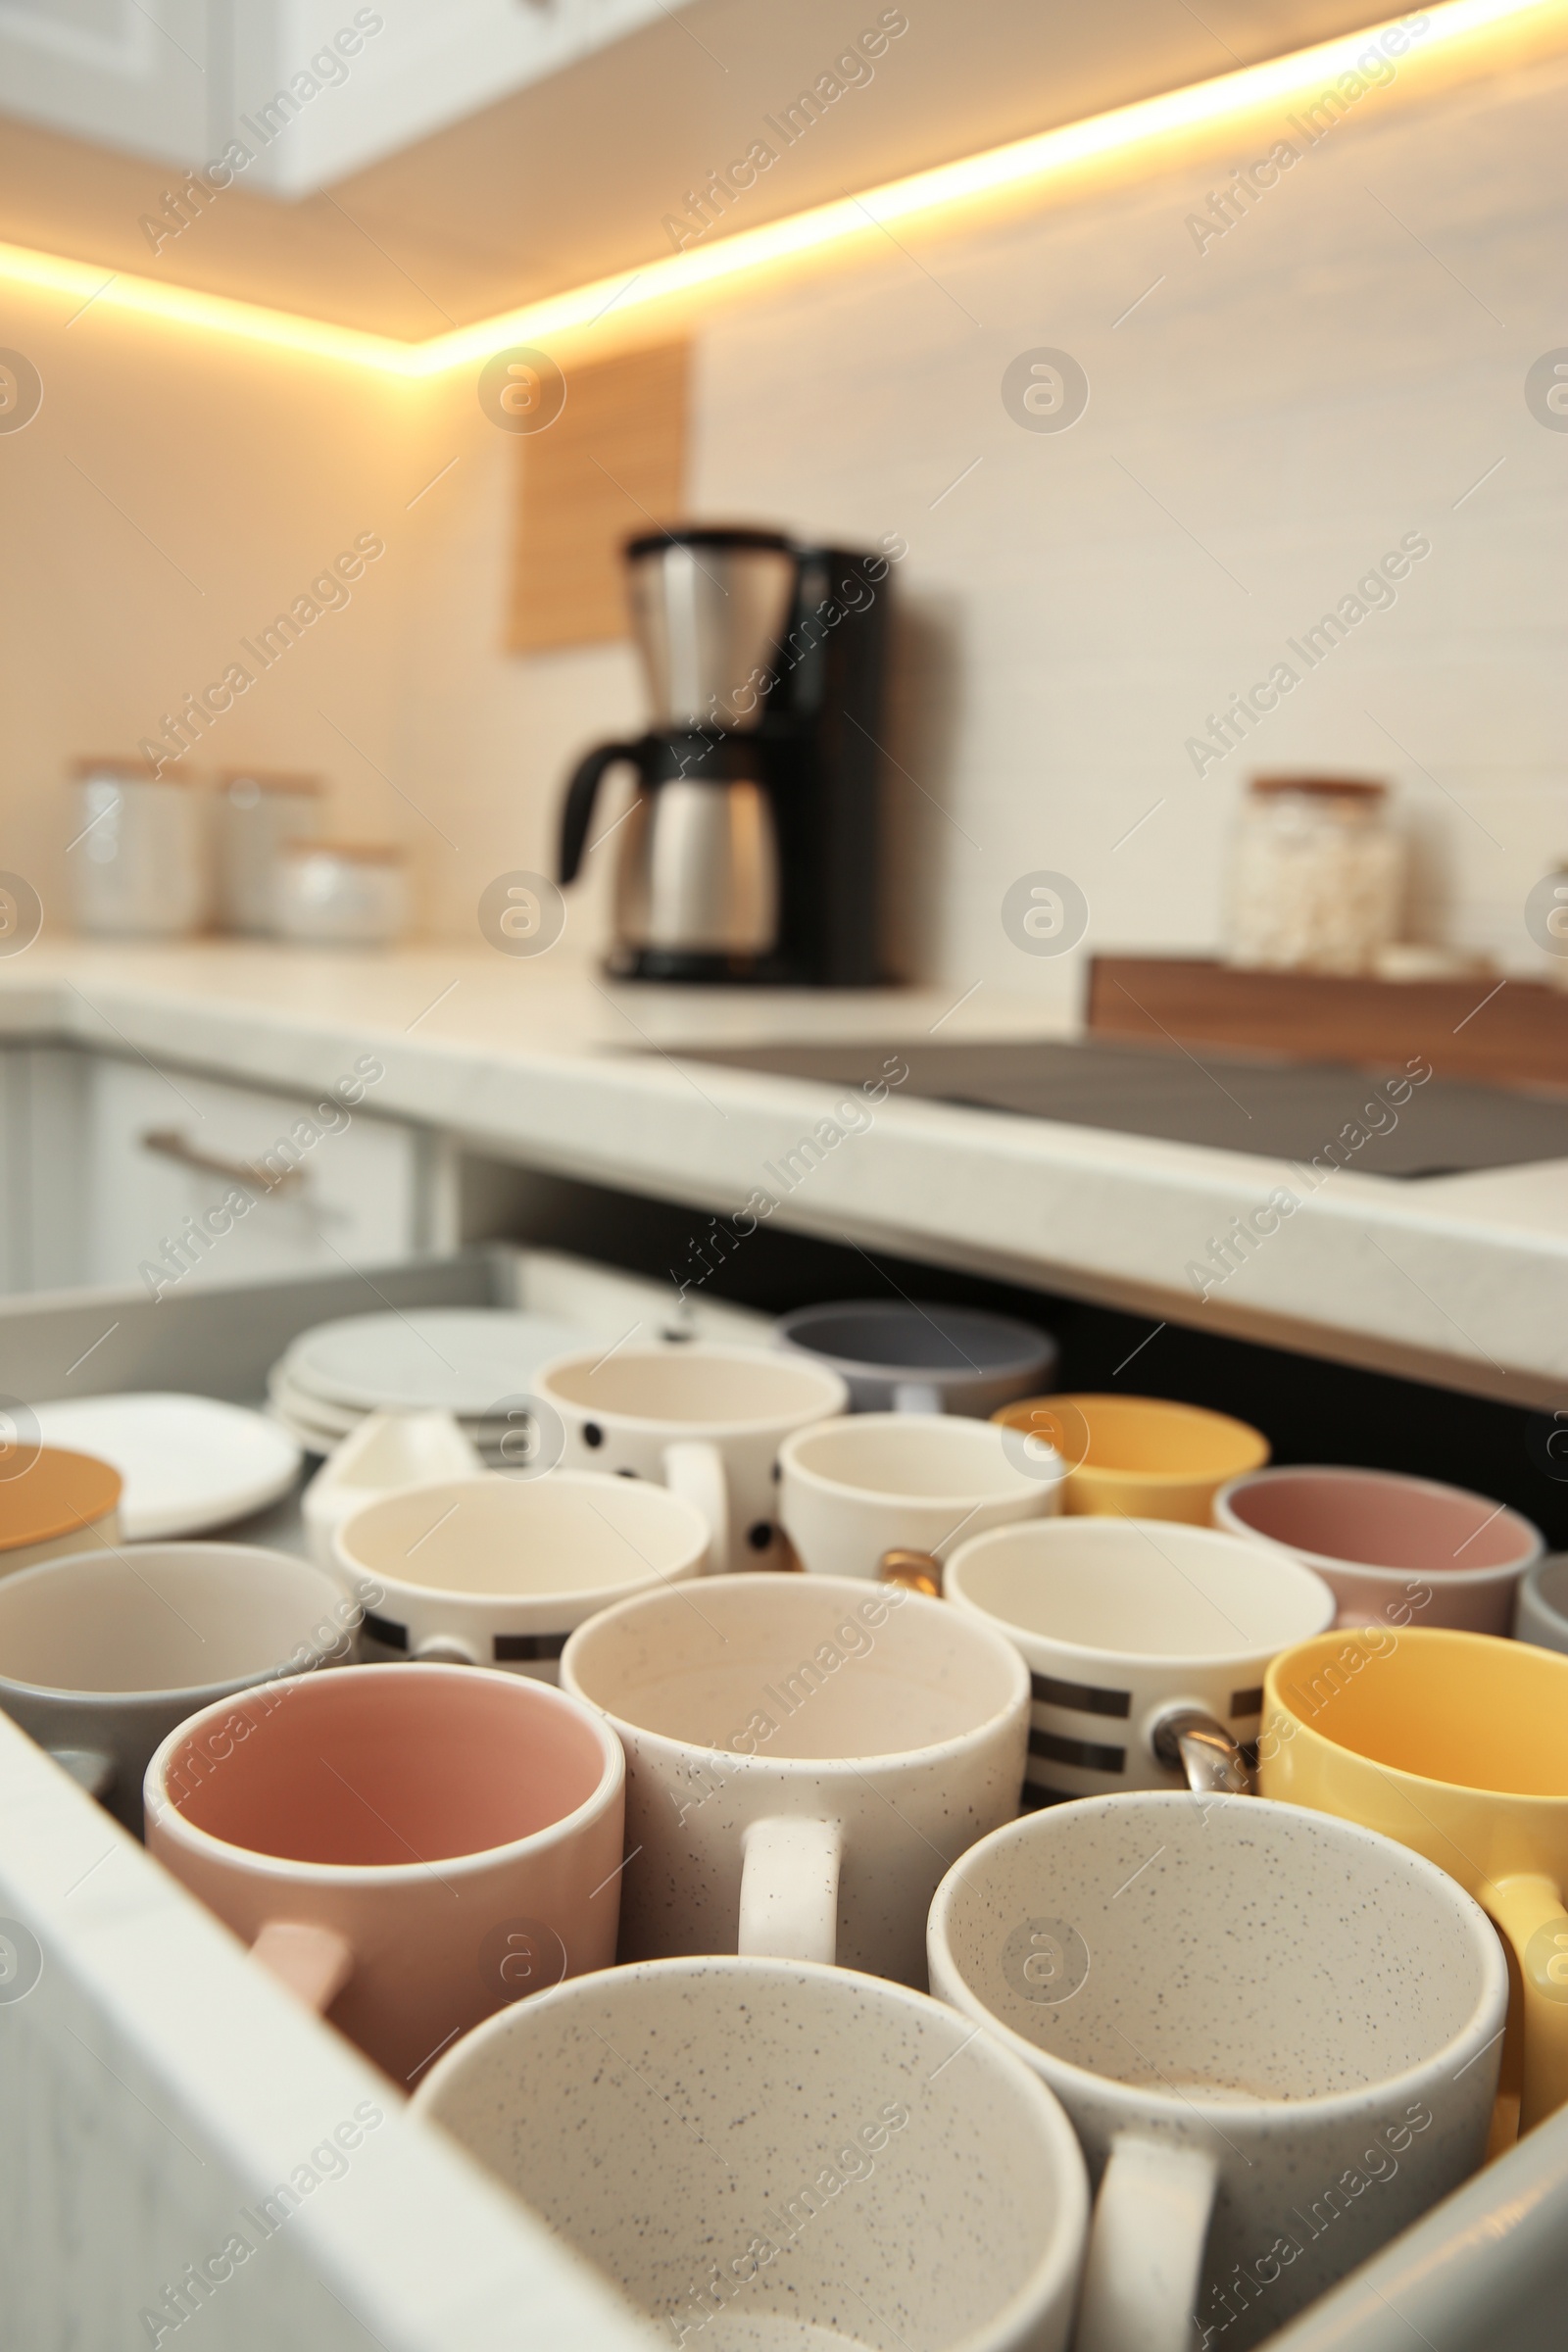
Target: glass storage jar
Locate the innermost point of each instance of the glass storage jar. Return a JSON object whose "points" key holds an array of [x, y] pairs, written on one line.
{"points": [[258, 816], [342, 894], [1317, 877], [137, 854]]}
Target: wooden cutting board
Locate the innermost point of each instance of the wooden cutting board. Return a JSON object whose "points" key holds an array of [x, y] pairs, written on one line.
{"points": [[1507, 1032]]}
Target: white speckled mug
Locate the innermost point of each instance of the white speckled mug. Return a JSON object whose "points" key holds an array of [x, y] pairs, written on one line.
{"points": [[765, 2154], [1277, 2048], [804, 1757]]}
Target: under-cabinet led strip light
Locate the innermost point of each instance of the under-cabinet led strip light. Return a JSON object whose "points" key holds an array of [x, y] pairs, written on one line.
{"points": [[1045, 155]]}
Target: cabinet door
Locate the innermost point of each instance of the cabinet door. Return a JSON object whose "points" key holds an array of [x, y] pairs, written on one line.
{"points": [[42, 1162], [189, 1181], [131, 74], [321, 87]]}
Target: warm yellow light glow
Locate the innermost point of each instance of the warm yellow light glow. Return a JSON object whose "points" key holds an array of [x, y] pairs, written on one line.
{"points": [[91, 286], [1048, 156]]}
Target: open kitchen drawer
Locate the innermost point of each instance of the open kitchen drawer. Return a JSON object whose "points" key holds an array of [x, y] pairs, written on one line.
{"points": [[156, 2086]]}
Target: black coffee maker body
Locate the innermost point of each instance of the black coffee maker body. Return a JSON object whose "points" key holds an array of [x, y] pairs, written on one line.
{"points": [[750, 850]]}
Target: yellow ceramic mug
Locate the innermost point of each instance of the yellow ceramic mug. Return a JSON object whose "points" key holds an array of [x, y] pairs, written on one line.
{"points": [[1138, 1457], [1456, 1745]]}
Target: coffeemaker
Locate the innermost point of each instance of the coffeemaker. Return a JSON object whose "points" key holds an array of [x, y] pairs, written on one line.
{"points": [[751, 850]]}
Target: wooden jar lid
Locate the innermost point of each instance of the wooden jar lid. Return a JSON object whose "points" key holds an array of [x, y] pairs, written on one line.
{"points": [[57, 1494]]}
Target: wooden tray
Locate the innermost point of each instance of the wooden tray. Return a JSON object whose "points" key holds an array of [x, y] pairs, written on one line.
{"points": [[1505, 1031]]}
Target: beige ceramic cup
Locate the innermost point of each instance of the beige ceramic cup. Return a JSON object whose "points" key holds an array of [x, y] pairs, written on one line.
{"points": [[768, 2153], [854, 1490], [408, 1847], [805, 1755], [495, 1571]]}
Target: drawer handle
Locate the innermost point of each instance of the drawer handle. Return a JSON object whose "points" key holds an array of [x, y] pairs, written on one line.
{"points": [[169, 1144]]}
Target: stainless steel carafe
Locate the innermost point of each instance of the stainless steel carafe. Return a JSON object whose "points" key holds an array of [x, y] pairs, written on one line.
{"points": [[710, 608], [698, 867]]}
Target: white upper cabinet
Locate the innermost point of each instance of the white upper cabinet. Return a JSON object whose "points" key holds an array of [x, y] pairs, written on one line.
{"points": [[134, 74], [310, 89]]}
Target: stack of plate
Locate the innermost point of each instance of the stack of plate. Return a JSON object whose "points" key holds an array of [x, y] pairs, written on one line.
{"points": [[474, 1363]]}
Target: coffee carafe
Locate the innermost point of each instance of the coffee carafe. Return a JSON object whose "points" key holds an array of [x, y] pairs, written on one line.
{"points": [[749, 850]]}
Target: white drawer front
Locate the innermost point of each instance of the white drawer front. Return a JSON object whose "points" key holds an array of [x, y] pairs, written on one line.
{"points": [[189, 1181]]}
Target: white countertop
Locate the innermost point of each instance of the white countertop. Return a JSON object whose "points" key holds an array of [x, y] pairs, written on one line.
{"points": [[1462, 1280]]}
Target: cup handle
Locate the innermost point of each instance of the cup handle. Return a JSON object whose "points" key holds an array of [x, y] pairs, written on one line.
{"points": [[1194, 1742], [314, 1961], [917, 1397], [1146, 2248], [1528, 1909], [790, 1889], [694, 1469], [89, 1768], [448, 1649], [917, 1571]]}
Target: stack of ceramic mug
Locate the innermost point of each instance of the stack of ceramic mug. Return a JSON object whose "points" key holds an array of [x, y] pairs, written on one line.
{"points": [[683, 1759]]}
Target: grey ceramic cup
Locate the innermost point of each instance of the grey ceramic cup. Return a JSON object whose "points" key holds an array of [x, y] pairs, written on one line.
{"points": [[899, 1356], [1541, 1608], [771, 2152], [1277, 2035], [104, 1652]]}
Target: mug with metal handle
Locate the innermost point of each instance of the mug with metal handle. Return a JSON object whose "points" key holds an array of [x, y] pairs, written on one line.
{"points": [[1145, 1642], [915, 1571], [850, 1490], [1214, 1762], [1186, 1739]]}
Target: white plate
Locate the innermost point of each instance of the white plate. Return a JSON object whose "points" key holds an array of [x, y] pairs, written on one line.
{"points": [[461, 1360], [336, 1421], [189, 1463]]}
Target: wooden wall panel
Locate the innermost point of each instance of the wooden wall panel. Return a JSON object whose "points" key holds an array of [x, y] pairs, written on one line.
{"points": [[613, 463]]}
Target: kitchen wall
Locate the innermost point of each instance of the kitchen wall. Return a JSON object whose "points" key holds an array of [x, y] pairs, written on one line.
{"points": [[1343, 369], [173, 493]]}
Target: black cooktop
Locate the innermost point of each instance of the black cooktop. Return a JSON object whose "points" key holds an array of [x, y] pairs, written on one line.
{"points": [[1281, 1111]]}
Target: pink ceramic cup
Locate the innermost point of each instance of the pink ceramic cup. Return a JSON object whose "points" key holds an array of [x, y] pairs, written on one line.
{"points": [[1396, 1551], [408, 1848]]}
